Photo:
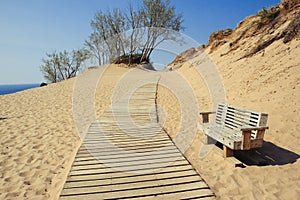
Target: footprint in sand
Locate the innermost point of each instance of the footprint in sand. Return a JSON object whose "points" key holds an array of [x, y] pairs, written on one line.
{"points": [[48, 180], [27, 183], [30, 159], [12, 195], [26, 173], [38, 146], [20, 159], [13, 187], [41, 191]]}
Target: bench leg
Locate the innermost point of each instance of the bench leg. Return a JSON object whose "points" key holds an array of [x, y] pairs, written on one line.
{"points": [[227, 151], [205, 118], [246, 142], [209, 140]]}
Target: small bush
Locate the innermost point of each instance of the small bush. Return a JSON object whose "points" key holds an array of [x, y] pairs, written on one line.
{"points": [[269, 13], [130, 59], [226, 32], [293, 29]]}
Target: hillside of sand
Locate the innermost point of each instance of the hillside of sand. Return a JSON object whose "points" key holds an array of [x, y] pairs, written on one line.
{"points": [[39, 134], [259, 65]]}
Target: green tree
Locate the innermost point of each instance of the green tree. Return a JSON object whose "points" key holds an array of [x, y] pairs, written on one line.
{"points": [[63, 65], [137, 32], [96, 48], [162, 21]]}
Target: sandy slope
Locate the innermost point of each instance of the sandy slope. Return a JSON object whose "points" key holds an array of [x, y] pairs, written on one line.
{"points": [[38, 141], [267, 82], [39, 138]]}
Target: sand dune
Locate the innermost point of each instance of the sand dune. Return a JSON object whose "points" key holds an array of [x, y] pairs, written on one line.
{"points": [[39, 137], [267, 81], [38, 141]]}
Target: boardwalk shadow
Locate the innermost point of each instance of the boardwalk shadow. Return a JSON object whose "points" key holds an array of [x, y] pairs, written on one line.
{"points": [[269, 154]]}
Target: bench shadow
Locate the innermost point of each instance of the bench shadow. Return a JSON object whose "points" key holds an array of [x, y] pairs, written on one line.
{"points": [[269, 154]]}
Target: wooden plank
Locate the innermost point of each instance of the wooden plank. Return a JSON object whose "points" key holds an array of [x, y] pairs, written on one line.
{"points": [[84, 152], [151, 190], [246, 145], [182, 194], [257, 143], [122, 154], [124, 138], [139, 149], [260, 134], [131, 157], [131, 148], [99, 164], [128, 179], [210, 140], [133, 185], [263, 119], [247, 129], [110, 174], [154, 155], [124, 146], [120, 142], [227, 151], [116, 138], [205, 116], [114, 167]]}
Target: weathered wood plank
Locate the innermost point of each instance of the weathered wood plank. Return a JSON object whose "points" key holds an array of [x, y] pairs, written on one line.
{"points": [[129, 179], [134, 185], [133, 157], [227, 151], [110, 174], [246, 140], [153, 190]]}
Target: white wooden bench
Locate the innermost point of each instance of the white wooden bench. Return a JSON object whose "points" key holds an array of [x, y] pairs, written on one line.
{"points": [[236, 128]]}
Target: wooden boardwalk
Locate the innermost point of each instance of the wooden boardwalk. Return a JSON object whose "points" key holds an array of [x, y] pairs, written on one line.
{"points": [[127, 155]]}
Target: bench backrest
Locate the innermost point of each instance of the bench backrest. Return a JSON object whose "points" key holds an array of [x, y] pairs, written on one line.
{"points": [[234, 118]]}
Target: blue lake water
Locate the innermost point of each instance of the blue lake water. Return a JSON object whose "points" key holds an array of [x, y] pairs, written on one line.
{"points": [[8, 89]]}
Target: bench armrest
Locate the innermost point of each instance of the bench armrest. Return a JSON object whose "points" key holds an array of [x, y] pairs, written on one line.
{"points": [[246, 141], [260, 128], [205, 115]]}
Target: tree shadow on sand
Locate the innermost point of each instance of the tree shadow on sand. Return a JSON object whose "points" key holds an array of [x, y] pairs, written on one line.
{"points": [[269, 154]]}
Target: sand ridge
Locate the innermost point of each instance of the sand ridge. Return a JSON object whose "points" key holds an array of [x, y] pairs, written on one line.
{"points": [[266, 82]]}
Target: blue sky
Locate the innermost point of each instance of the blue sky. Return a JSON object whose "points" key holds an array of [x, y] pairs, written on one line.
{"points": [[30, 28]]}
